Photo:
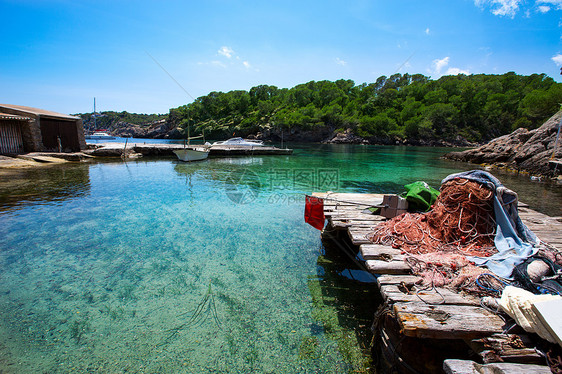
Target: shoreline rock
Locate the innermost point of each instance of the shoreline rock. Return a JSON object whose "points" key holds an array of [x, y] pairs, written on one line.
{"points": [[522, 150], [348, 137]]}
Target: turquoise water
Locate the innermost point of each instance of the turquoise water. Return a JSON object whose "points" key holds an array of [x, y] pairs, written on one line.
{"points": [[157, 266]]}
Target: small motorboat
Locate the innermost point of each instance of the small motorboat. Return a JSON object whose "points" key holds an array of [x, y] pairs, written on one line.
{"points": [[192, 154], [240, 142]]}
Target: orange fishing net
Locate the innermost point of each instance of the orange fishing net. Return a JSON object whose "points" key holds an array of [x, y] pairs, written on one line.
{"points": [[462, 219], [460, 223]]}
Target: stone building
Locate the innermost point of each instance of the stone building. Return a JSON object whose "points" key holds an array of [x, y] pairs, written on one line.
{"points": [[25, 129]]}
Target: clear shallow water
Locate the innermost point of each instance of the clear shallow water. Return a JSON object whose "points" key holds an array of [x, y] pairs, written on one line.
{"points": [[161, 266]]}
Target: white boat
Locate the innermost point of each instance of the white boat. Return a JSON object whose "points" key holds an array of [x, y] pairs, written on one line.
{"points": [[189, 154], [241, 142], [100, 134]]}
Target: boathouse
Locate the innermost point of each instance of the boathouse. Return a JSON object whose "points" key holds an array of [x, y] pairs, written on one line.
{"points": [[24, 129]]}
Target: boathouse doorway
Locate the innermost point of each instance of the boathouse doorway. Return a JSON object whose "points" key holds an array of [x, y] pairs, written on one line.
{"points": [[59, 135], [11, 140]]}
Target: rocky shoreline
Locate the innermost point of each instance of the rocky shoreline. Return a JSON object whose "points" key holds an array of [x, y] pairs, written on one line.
{"points": [[523, 150], [163, 130], [348, 137]]}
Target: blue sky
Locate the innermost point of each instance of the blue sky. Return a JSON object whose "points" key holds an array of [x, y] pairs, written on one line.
{"points": [[59, 55]]}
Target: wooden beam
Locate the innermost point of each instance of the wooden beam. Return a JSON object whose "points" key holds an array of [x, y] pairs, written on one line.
{"points": [[422, 320], [393, 293], [408, 280], [387, 267], [380, 252], [470, 367]]}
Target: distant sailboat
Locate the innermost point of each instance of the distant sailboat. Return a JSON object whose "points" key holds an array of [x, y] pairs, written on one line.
{"points": [[96, 133]]}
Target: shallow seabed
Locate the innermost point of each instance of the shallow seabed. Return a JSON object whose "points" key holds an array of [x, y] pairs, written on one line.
{"points": [[156, 266]]}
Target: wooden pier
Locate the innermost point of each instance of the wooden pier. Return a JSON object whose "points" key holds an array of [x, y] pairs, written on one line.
{"points": [[417, 330], [155, 149]]}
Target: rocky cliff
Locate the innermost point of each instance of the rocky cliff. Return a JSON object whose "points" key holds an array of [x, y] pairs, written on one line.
{"points": [[156, 130], [522, 150]]}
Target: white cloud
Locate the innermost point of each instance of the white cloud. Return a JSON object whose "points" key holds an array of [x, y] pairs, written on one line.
{"points": [[226, 51], [234, 61], [502, 7], [340, 61], [438, 65], [510, 8], [557, 59], [427, 31], [456, 71], [555, 3], [506, 7]]}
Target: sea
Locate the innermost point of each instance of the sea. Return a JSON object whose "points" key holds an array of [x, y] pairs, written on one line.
{"points": [[158, 266]]}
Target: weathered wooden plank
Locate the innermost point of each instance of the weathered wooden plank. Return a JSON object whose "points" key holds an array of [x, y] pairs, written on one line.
{"points": [[366, 198], [358, 240], [347, 206], [507, 347], [356, 216], [365, 222], [363, 231], [387, 267], [344, 213], [356, 220], [350, 204], [355, 209], [453, 366], [347, 213], [362, 225], [394, 294], [407, 280], [359, 236], [380, 252], [421, 320], [339, 225]]}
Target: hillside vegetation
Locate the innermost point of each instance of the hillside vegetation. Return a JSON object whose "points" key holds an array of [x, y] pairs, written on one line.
{"points": [[113, 120], [411, 108]]}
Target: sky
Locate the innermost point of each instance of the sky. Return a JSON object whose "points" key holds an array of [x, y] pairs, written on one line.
{"points": [[150, 56]]}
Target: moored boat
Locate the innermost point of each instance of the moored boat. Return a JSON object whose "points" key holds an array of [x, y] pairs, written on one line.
{"points": [[190, 154], [100, 134], [240, 142]]}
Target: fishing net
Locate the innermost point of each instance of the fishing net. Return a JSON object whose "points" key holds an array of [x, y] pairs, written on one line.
{"points": [[461, 223]]}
